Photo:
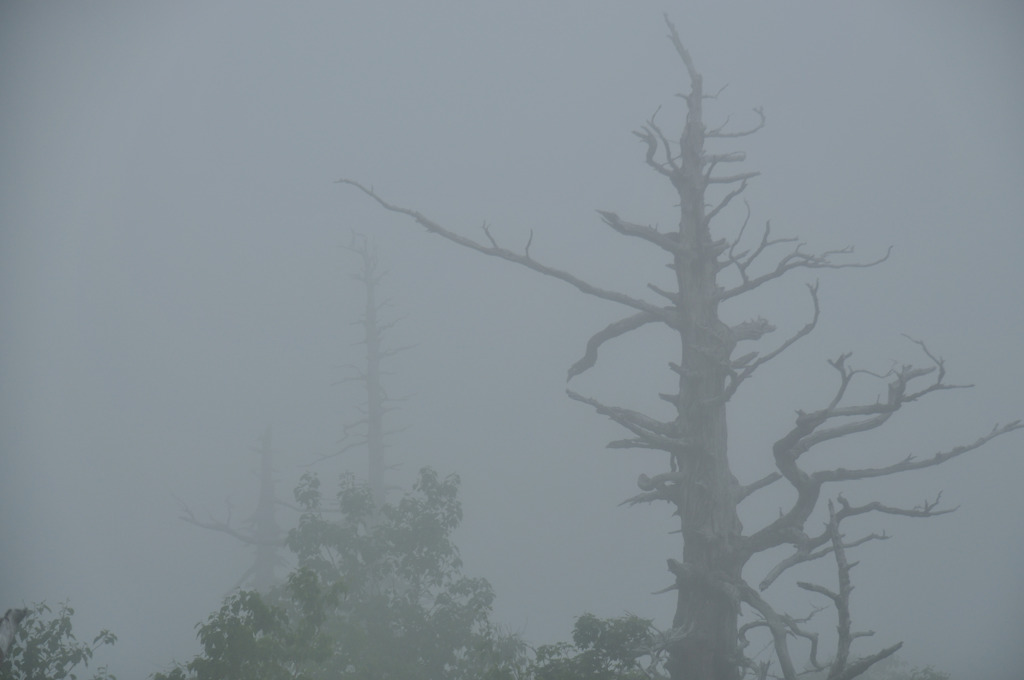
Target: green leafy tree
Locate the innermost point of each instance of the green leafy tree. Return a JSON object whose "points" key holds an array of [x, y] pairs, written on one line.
{"points": [[601, 649], [378, 593], [256, 637], [45, 647], [408, 610]]}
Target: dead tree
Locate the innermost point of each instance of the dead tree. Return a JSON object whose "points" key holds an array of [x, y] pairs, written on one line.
{"points": [[713, 596], [261, 530], [369, 429]]}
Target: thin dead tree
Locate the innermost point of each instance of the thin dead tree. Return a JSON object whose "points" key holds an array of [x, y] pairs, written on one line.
{"points": [[713, 596], [262, 530], [369, 430], [378, 402]]}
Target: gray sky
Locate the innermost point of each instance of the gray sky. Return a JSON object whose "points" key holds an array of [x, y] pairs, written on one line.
{"points": [[172, 281]]}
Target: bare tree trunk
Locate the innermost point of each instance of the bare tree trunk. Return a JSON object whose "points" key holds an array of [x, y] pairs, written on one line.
{"points": [[375, 397], [704, 498]]}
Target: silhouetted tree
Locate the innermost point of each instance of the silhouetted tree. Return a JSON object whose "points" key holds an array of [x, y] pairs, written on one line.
{"points": [[707, 271]]}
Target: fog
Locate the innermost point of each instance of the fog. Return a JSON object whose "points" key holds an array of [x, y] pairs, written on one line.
{"points": [[174, 279]]}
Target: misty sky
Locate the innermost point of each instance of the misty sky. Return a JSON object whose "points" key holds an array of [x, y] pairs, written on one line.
{"points": [[173, 280]]}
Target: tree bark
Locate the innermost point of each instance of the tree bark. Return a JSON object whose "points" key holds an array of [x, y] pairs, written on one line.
{"points": [[708, 606]]}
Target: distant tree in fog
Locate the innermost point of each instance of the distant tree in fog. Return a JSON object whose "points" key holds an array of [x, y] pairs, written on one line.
{"points": [[719, 608], [370, 430], [261, 530], [379, 593]]}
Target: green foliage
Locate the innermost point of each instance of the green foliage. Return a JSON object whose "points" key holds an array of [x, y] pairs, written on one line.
{"points": [[893, 668], [602, 649], [378, 593], [251, 639], [631, 648], [927, 673], [45, 647], [408, 611]]}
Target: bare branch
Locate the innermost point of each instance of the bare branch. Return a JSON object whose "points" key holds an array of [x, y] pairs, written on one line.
{"points": [[804, 554], [742, 261], [799, 260], [745, 491], [840, 667], [609, 332], [715, 95], [725, 201], [737, 379], [925, 509], [648, 137], [487, 232], [670, 161], [720, 133], [729, 179], [909, 463], [733, 256], [497, 251], [654, 433], [806, 546], [646, 497], [649, 234], [806, 434], [691, 70], [858, 667], [777, 626], [226, 528]]}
